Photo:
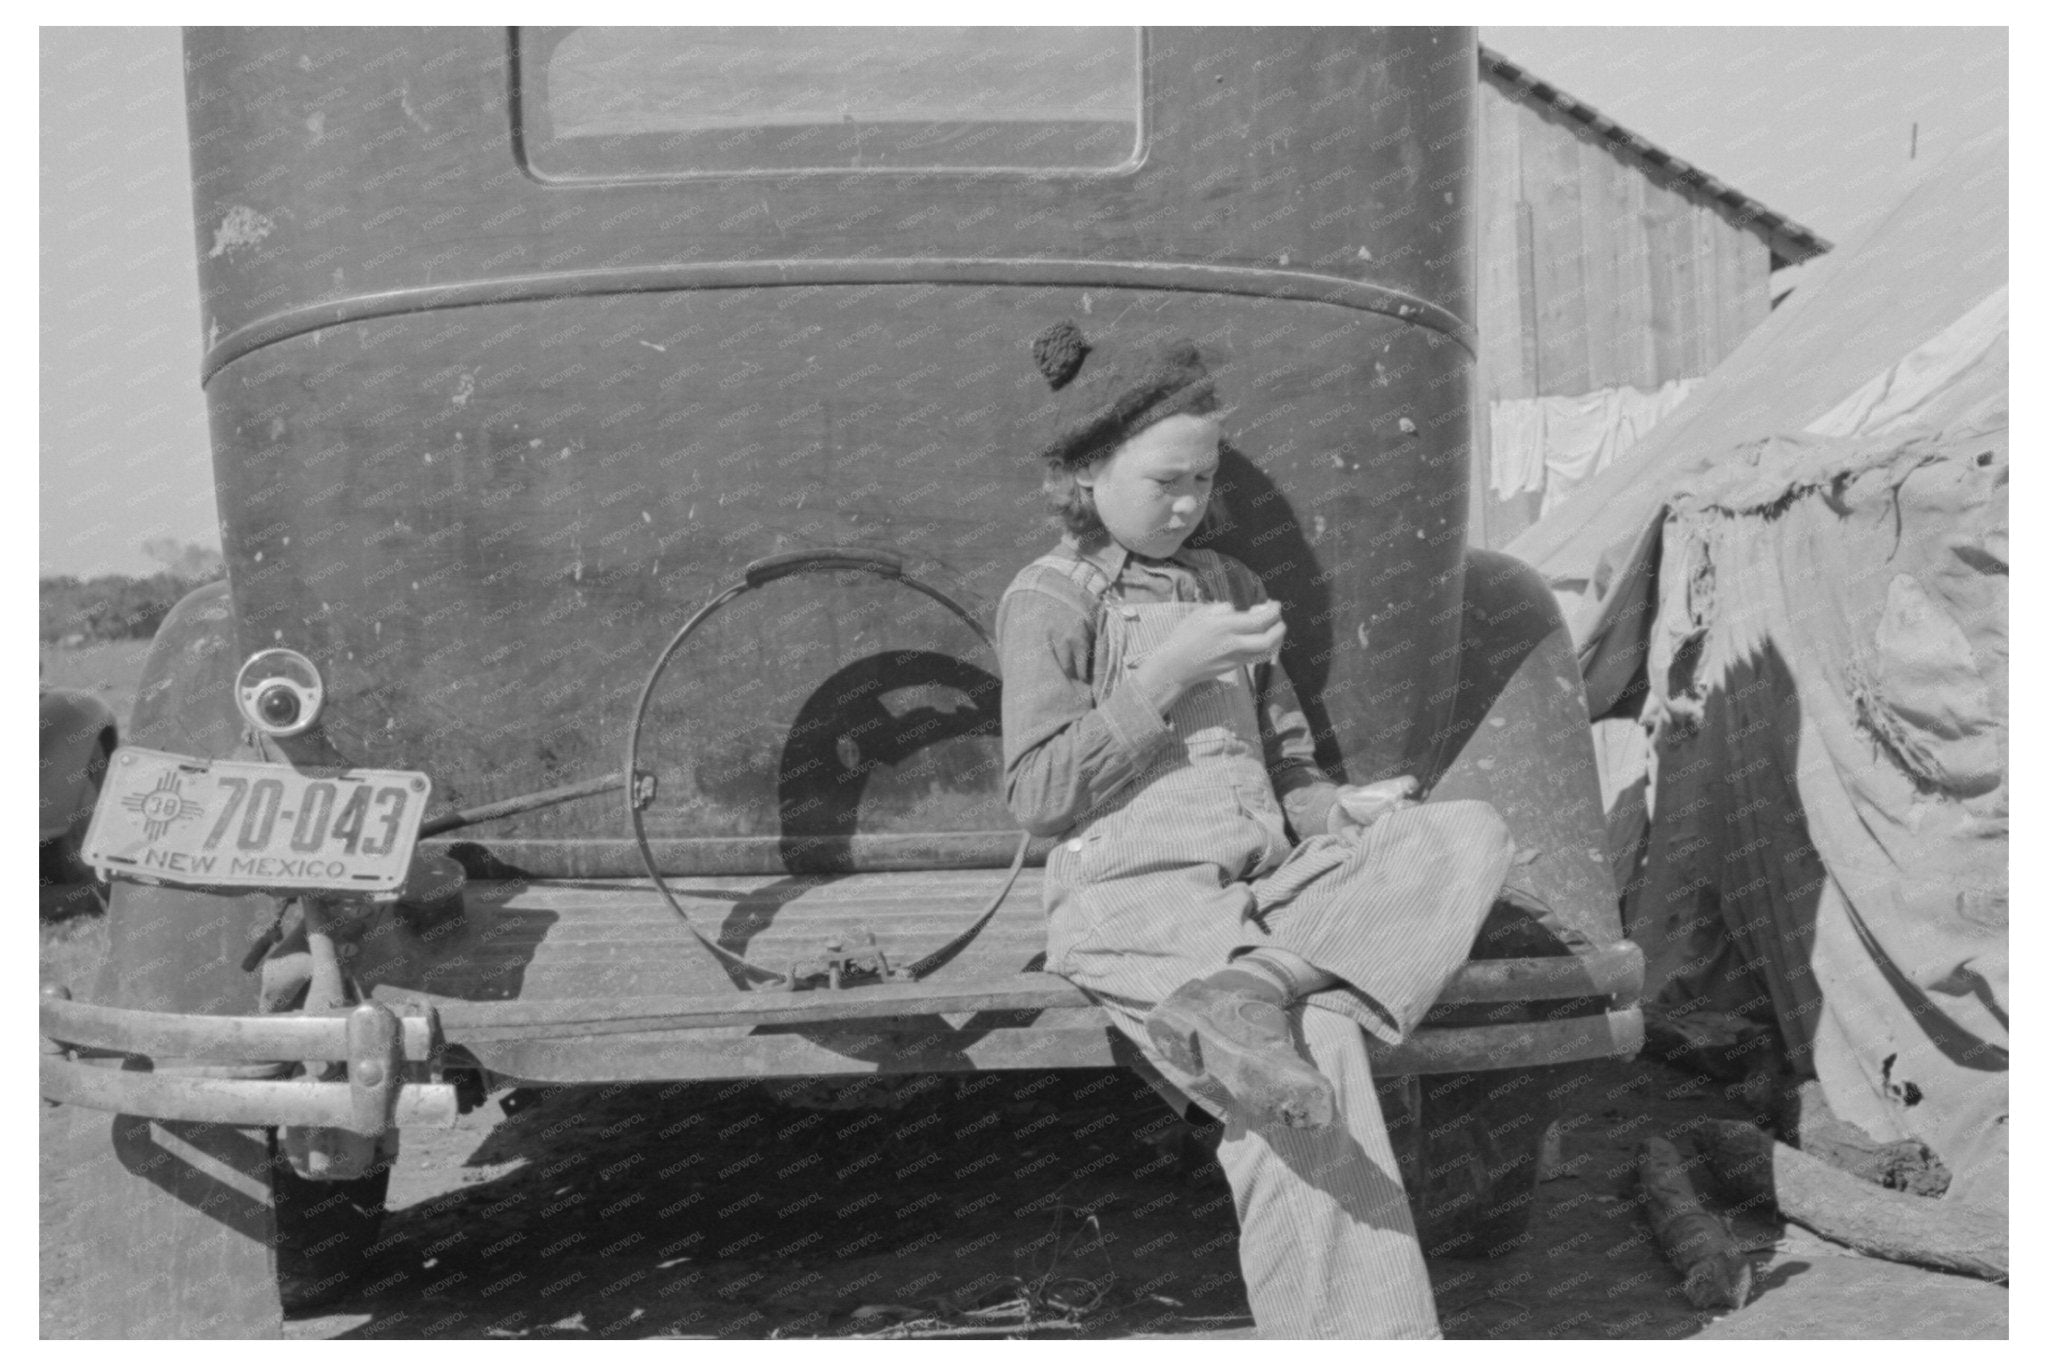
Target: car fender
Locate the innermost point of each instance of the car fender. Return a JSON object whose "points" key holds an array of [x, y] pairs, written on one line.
{"points": [[1520, 739], [169, 948], [78, 731]]}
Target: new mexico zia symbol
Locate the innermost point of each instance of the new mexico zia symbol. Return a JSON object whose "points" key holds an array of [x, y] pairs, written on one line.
{"points": [[163, 806]]}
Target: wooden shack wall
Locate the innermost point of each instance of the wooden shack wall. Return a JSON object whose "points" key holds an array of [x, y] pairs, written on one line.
{"points": [[1591, 275]]}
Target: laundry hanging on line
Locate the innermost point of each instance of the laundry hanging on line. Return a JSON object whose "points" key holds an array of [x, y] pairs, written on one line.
{"points": [[1555, 443]]}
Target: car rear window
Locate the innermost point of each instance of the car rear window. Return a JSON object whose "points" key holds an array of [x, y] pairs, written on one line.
{"points": [[630, 103]]}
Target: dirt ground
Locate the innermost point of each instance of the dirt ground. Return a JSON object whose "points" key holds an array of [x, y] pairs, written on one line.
{"points": [[1048, 1204]]}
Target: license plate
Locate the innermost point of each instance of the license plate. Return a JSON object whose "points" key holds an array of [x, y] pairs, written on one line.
{"points": [[222, 823]]}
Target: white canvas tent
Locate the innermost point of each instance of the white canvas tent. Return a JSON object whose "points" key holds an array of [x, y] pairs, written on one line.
{"points": [[1801, 579]]}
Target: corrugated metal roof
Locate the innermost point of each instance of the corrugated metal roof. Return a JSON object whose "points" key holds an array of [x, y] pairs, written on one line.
{"points": [[1789, 242]]}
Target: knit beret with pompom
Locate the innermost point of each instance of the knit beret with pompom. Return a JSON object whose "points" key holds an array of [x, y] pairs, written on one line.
{"points": [[1103, 393]]}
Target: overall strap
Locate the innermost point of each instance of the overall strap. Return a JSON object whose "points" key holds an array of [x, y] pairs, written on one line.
{"points": [[1070, 579], [1093, 586], [1085, 575]]}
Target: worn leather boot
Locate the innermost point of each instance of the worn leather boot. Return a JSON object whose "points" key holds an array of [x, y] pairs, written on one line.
{"points": [[1231, 1027]]}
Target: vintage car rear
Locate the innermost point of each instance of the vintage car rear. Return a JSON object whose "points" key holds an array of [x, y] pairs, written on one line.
{"points": [[523, 347]]}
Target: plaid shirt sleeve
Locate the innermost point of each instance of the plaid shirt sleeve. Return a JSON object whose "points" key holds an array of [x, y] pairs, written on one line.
{"points": [[1063, 755]]}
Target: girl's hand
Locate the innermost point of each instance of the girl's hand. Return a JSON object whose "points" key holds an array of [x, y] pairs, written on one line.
{"points": [[1210, 642], [1361, 806]]}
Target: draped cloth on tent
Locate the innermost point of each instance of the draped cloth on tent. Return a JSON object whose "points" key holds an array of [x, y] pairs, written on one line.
{"points": [[1800, 577], [1828, 681]]}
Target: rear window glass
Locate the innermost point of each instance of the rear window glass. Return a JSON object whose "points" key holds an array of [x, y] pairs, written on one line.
{"points": [[606, 103]]}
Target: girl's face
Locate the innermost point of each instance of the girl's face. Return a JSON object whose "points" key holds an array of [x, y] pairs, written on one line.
{"points": [[1152, 491]]}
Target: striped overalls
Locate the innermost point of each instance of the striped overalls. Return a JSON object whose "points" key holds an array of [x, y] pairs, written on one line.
{"points": [[1192, 862]]}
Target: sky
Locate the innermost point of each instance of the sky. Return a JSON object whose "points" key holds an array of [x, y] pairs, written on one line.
{"points": [[124, 456], [1815, 123]]}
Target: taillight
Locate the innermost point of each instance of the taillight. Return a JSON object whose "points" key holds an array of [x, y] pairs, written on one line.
{"points": [[279, 692]]}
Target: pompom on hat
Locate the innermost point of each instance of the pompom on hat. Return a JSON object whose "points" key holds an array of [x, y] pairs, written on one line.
{"points": [[1105, 394]]}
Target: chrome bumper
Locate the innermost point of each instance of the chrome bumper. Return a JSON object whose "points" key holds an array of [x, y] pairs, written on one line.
{"points": [[211, 1067]]}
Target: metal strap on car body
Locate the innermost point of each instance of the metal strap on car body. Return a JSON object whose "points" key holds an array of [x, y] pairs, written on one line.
{"points": [[758, 574]]}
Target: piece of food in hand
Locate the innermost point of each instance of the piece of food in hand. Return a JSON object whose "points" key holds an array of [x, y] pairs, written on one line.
{"points": [[1258, 619], [1269, 614], [1362, 805], [1214, 641]]}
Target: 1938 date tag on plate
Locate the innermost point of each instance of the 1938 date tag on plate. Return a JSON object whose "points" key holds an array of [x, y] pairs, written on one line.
{"points": [[223, 823]]}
